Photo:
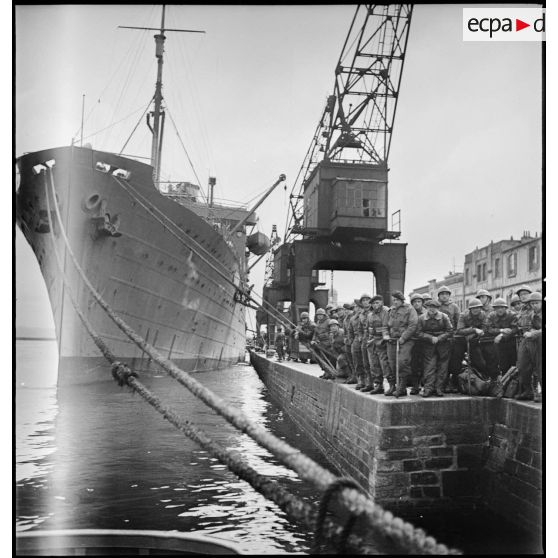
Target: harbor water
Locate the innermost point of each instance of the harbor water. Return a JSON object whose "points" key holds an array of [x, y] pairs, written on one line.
{"points": [[97, 456]]}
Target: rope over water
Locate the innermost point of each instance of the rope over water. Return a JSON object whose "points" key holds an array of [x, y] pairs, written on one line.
{"points": [[405, 534]]}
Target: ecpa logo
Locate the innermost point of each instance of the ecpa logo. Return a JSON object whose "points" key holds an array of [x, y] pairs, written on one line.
{"points": [[504, 24]]}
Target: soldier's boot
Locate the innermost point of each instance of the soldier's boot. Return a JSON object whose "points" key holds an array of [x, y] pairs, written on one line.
{"points": [[415, 388], [378, 389], [401, 390], [391, 388]]}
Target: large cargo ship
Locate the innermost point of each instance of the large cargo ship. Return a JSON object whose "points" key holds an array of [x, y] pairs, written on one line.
{"points": [[170, 265]]}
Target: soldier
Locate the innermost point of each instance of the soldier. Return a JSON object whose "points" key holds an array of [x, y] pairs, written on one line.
{"points": [[452, 311], [417, 355], [365, 301], [376, 345], [523, 293], [529, 353], [356, 351], [401, 327], [471, 327], [304, 333], [328, 310], [515, 303], [486, 300], [501, 327], [279, 344], [337, 340], [349, 311], [434, 328], [321, 342]]}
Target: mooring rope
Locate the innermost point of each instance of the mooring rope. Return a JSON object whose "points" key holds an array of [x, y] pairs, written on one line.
{"points": [[407, 536], [297, 509]]}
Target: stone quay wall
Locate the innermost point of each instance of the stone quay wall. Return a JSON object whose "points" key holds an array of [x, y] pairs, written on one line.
{"points": [[411, 454]]}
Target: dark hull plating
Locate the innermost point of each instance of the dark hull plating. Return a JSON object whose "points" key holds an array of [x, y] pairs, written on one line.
{"points": [[148, 272]]}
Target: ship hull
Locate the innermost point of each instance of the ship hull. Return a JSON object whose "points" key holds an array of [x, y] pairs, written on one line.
{"points": [[164, 270]]}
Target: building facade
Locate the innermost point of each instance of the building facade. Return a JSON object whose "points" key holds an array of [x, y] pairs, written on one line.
{"points": [[499, 267]]}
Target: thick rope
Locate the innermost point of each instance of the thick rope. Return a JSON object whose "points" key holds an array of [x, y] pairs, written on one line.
{"points": [[411, 539], [295, 508]]}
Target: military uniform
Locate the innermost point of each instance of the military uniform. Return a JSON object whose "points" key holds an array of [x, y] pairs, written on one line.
{"points": [[465, 328], [402, 324], [363, 333], [436, 354], [348, 341], [529, 352], [280, 345], [323, 344], [506, 352], [305, 334], [376, 348], [337, 341], [356, 350]]}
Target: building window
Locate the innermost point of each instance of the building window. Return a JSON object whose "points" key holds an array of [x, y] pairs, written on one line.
{"points": [[479, 273], [512, 265], [497, 270], [533, 258], [484, 272], [467, 281]]}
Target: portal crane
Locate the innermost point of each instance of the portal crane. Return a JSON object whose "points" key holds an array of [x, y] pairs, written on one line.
{"points": [[338, 202]]}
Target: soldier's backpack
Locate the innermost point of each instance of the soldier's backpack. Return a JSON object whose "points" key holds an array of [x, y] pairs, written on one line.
{"points": [[471, 382]]}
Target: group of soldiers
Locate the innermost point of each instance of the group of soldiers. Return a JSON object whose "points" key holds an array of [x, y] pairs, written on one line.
{"points": [[422, 343]]}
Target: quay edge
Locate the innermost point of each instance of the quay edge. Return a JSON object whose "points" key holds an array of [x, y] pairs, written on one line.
{"points": [[413, 454]]}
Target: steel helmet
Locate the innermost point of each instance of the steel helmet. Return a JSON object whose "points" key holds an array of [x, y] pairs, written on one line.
{"points": [[415, 296], [426, 296], [474, 303], [500, 302], [443, 289], [514, 299], [320, 311], [483, 292], [524, 288], [333, 322], [305, 315], [533, 297], [329, 307], [365, 295]]}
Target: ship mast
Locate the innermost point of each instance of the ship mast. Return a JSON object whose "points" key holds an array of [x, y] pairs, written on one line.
{"points": [[158, 114]]}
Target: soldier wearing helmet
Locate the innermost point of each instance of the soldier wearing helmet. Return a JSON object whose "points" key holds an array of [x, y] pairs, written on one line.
{"points": [[471, 326], [452, 311], [523, 292], [486, 298], [366, 303], [417, 356], [401, 327], [355, 340], [425, 297], [304, 334], [376, 346], [501, 327], [434, 329], [349, 312], [328, 310], [280, 343], [529, 354], [337, 341], [322, 345], [515, 303]]}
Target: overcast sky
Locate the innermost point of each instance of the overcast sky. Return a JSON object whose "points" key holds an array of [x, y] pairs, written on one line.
{"points": [[246, 96]]}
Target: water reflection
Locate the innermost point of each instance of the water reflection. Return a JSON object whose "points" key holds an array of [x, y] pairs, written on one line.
{"points": [[99, 456]]}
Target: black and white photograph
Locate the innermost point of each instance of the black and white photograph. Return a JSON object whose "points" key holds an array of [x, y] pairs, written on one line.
{"points": [[279, 279]]}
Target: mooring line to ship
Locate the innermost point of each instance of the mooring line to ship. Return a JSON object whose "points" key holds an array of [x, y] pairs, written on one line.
{"points": [[405, 534], [294, 507]]}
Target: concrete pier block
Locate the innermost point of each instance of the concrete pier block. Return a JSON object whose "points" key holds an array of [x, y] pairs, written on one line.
{"points": [[413, 453]]}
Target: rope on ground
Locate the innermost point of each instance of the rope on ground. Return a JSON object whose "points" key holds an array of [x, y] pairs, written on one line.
{"points": [[295, 508], [407, 536]]}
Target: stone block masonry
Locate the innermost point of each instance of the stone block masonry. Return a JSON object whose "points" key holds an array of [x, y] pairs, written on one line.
{"points": [[417, 454]]}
